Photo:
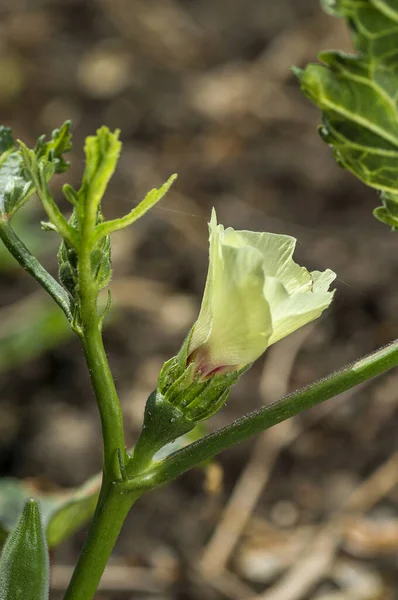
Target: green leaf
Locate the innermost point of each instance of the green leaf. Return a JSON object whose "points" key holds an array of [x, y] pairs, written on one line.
{"points": [[68, 263], [63, 512], [102, 153], [71, 511], [384, 216], [53, 150], [388, 213], [15, 189], [16, 185], [24, 563], [32, 328], [152, 198], [358, 94]]}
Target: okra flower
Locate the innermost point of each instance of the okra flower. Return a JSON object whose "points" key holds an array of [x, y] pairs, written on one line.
{"points": [[255, 295]]}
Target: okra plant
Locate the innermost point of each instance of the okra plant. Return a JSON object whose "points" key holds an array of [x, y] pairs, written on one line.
{"points": [[255, 294]]}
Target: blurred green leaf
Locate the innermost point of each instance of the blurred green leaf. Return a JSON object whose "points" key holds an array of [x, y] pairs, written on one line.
{"points": [[39, 245], [64, 512], [24, 562], [7, 142], [358, 95], [31, 327], [67, 513]]}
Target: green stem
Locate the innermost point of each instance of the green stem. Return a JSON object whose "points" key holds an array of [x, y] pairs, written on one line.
{"points": [[361, 370], [113, 507], [28, 262], [100, 373], [114, 503], [53, 212], [107, 398], [110, 513]]}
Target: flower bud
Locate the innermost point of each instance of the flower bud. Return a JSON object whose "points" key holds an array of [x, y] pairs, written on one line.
{"points": [[24, 566], [255, 295]]}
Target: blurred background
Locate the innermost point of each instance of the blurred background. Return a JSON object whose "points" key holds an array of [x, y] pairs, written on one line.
{"points": [[308, 510]]}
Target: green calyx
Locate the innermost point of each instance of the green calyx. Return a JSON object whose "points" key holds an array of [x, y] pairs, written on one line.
{"points": [[182, 399], [195, 396]]}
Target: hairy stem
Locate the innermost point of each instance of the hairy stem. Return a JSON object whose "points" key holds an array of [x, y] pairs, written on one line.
{"points": [[97, 362], [107, 399], [361, 370], [110, 513], [113, 505]]}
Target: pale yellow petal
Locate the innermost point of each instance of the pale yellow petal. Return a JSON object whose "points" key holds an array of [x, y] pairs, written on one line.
{"points": [[277, 251], [202, 326], [255, 294], [234, 323], [290, 312], [241, 317]]}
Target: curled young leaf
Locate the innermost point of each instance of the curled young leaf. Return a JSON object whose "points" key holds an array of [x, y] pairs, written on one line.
{"points": [[53, 151], [101, 263], [15, 189], [16, 184], [102, 153]]}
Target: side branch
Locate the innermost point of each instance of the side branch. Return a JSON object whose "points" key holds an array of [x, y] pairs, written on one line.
{"points": [[28, 262], [206, 448]]}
